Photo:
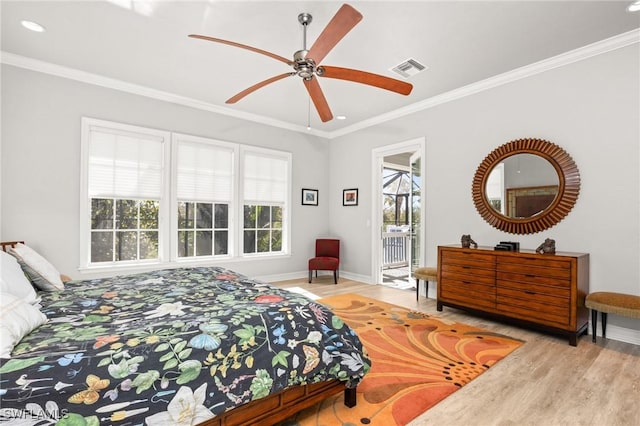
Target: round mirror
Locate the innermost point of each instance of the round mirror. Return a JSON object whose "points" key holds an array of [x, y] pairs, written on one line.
{"points": [[526, 186]]}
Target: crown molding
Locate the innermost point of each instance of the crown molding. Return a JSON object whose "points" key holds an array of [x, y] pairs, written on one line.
{"points": [[570, 57], [594, 49], [136, 89]]}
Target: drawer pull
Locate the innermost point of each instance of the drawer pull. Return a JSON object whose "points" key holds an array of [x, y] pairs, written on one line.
{"points": [[466, 282], [530, 292], [529, 275]]}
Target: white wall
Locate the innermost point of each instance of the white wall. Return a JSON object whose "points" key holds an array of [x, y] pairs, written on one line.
{"points": [[590, 108], [41, 163]]}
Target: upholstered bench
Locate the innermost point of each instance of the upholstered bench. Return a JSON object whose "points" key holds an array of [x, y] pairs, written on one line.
{"points": [[427, 274], [626, 305]]}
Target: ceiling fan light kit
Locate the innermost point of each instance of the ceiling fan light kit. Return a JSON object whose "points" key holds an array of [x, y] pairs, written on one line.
{"points": [[306, 63]]}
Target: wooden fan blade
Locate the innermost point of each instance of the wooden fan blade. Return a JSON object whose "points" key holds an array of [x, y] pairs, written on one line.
{"points": [[344, 20], [257, 86], [320, 102], [366, 78], [243, 46]]}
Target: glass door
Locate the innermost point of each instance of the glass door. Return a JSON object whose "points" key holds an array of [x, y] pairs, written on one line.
{"points": [[415, 212]]}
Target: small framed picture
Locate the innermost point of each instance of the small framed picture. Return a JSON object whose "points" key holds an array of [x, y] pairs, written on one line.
{"points": [[309, 197], [350, 197]]}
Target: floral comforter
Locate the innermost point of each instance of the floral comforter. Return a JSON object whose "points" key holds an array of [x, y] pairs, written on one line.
{"points": [[171, 347]]}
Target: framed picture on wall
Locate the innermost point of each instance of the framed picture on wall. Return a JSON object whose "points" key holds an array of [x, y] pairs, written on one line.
{"points": [[350, 197], [309, 197]]}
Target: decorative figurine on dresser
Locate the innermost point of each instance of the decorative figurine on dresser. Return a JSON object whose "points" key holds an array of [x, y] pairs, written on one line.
{"points": [[467, 241], [548, 247]]}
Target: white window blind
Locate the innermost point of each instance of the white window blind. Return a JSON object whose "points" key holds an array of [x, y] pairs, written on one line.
{"points": [[265, 178], [204, 172], [124, 165]]}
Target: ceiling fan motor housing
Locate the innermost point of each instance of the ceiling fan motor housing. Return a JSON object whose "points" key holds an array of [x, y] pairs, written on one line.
{"points": [[303, 66]]}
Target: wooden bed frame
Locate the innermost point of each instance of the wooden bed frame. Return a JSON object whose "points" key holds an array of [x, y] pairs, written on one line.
{"points": [[5, 245], [280, 406], [273, 408]]}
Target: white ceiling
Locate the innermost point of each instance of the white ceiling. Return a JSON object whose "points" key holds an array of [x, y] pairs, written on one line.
{"points": [[145, 43]]}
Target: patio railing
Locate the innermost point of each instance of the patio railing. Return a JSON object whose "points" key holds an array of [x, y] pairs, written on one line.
{"points": [[395, 249]]}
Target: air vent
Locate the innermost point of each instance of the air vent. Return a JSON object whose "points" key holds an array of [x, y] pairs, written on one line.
{"points": [[408, 68]]}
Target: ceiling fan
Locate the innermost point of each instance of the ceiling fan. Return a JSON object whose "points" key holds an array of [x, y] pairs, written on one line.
{"points": [[306, 63]]}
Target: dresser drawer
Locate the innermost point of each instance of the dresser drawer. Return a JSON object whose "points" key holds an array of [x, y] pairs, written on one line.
{"points": [[470, 259], [467, 274], [532, 279], [537, 307], [471, 295], [553, 290], [538, 266], [525, 297]]}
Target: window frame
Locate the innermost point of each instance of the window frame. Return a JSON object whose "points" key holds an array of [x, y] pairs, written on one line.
{"points": [[168, 217], [87, 125], [176, 138], [286, 207]]}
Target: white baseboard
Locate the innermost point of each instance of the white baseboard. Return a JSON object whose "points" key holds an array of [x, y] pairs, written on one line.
{"points": [[305, 274], [621, 334], [282, 277], [357, 277]]}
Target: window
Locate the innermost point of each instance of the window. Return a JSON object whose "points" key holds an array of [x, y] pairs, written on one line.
{"points": [[262, 229], [124, 229], [123, 187], [203, 229], [204, 194], [151, 196], [265, 180]]}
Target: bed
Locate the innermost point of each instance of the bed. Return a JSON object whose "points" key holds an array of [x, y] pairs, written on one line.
{"points": [[202, 345]]}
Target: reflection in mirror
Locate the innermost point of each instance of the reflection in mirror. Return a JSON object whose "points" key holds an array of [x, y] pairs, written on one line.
{"points": [[522, 186]]}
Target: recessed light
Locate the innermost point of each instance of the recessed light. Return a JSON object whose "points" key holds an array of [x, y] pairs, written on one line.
{"points": [[634, 7], [33, 26], [341, 117]]}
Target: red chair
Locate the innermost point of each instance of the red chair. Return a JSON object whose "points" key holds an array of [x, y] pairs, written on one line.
{"points": [[327, 258]]}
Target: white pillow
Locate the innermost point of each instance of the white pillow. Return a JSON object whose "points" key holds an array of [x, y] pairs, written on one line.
{"points": [[13, 280], [41, 273], [17, 319]]}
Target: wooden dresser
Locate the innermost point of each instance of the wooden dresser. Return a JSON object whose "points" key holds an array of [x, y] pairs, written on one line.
{"points": [[527, 288]]}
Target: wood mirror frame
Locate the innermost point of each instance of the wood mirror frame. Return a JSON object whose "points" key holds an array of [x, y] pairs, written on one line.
{"points": [[568, 186]]}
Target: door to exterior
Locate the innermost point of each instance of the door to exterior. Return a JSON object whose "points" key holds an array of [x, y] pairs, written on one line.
{"points": [[415, 211], [398, 213]]}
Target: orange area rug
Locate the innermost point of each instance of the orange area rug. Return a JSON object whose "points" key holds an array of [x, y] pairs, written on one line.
{"points": [[417, 360]]}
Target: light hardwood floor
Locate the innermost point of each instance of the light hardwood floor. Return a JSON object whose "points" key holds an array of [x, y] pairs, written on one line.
{"points": [[544, 382]]}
